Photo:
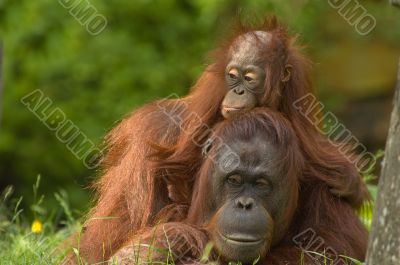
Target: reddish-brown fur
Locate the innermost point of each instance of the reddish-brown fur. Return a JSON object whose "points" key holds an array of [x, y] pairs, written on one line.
{"points": [[321, 222], [134, 188]]}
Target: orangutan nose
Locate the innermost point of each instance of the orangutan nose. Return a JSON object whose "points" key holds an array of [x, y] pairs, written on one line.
{"points": [[245, 203]]}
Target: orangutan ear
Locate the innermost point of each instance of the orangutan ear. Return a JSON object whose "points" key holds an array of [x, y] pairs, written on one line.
{"points": [[288, 71]]}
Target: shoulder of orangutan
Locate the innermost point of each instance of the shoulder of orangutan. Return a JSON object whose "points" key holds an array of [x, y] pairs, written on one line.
{"points": [[157, 122]]}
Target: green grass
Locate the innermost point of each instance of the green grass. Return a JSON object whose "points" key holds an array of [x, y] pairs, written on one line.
{"points": [[20, 246], [32, 236]]}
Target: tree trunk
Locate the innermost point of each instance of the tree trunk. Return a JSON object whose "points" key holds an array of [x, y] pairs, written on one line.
{"points": [[384, 242]]}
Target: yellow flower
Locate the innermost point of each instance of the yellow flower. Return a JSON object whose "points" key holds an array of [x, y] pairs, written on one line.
{"points": [[37, 227]]}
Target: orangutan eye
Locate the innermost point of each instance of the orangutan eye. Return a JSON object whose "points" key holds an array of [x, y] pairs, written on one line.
{"points": [[235, 180], [233, 73], [262, 183], [249, 77]]}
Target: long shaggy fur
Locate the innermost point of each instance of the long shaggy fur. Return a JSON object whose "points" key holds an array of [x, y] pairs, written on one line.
{"points": [[152, 159], [322, 223]]}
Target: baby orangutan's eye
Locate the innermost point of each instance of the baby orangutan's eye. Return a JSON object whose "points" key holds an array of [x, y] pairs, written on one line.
{"points": [[250, 77], [233, 73]]}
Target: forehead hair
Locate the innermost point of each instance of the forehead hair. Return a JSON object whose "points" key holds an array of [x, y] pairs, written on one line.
{"points": [[249, 46], [260, 123], [267, 39], [269, 127]]}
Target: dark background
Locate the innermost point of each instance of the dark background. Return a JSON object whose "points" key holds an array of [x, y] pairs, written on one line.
{"points": [[152, 48]]}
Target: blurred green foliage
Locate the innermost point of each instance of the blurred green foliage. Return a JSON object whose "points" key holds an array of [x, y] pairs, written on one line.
{"points": [[149, 49]]}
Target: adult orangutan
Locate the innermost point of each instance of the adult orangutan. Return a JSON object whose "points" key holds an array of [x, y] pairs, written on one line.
{"points": [[261, 207], [259, 66]]}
